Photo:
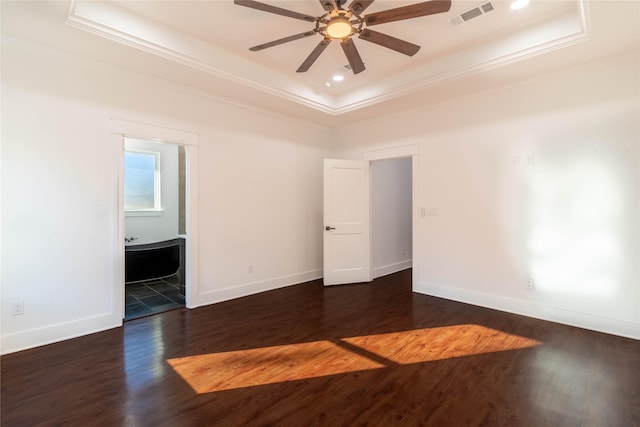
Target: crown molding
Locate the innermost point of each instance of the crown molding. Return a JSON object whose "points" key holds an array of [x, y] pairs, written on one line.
{"points": [[110, 22], [118, 25], [566, 30]]}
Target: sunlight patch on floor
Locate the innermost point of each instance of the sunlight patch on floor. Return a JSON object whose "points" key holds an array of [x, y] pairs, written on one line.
{"points": [[268, 365], [447, 342], [258, 366]]}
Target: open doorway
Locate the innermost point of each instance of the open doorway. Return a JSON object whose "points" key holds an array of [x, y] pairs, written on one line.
{"points": [[154, 227], [347, 214], [391, 215], [121, 129]]}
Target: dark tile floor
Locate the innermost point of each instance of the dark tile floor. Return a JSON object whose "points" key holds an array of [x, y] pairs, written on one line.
{"points": [[151, 297]]}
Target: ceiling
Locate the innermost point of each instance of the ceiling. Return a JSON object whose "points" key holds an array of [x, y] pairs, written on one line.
{"points": [[204, 46]]}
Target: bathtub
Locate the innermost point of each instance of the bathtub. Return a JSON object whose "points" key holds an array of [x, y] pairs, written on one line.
{"points": [[154, 261]]}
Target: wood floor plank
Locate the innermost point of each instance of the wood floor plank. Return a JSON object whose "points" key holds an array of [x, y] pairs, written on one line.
{"points": [[365, 354]]}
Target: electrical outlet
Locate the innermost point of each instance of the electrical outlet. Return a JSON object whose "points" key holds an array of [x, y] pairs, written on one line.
{"points": [[17, 308], [404, 251], [531, 284], [250, 269]]}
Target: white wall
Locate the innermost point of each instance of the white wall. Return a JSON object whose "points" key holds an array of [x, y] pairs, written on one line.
{"points": [[570, 221], [391, 215], [539, 182], [259, 192], [162, 225]]}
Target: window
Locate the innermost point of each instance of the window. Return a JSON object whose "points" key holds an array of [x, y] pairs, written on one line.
{"points": [[141, 181]]}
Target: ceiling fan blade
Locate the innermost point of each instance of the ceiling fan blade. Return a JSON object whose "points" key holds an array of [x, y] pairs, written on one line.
{"points": [[329, 5], [407, 12], [350, 51], [282, 40], [358, 6], [390, 42], [313, 56], [274, 9]]}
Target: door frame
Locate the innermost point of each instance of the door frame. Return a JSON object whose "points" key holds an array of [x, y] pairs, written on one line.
{"points": [[411, 150], [121, 129]]}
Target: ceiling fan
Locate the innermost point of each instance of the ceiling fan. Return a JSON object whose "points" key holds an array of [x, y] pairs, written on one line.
{"points": [[342, 24]]}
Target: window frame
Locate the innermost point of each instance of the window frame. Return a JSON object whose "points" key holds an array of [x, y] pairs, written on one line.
{"points": [[157, 187]]}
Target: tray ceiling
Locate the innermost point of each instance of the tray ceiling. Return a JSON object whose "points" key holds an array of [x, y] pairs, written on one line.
{"points": [[205, 44]]}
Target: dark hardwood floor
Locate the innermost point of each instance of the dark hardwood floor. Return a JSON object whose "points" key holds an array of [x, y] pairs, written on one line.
{"points": [[371, 354]]}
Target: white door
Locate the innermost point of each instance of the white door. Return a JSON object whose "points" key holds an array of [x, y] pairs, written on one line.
{"points": [[346, 222]]}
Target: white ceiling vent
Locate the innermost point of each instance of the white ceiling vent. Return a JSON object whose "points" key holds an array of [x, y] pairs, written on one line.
{"points": [[471, 13]]}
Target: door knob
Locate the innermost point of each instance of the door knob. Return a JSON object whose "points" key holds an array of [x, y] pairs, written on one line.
{"points": [[327, 228]]}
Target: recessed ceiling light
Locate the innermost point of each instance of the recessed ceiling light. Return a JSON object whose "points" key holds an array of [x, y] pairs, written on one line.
{"points": [[327, 84], [338, 78], [519, 4]]}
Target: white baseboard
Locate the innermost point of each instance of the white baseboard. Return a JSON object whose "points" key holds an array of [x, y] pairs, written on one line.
{"points": [[243, 290], [593, 322], [63, 331], [59, 332], [392, 268]]}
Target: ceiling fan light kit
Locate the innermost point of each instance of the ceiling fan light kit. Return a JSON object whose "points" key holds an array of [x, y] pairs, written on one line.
{"points": [[339, 27], [342, 24]]}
